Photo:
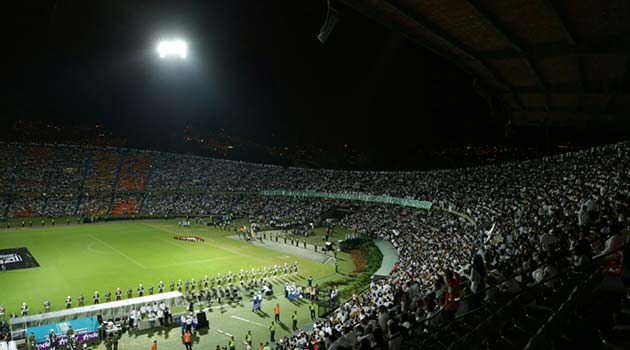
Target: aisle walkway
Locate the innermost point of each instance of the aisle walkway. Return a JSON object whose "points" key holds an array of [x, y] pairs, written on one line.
{"points": [[390, 258]]}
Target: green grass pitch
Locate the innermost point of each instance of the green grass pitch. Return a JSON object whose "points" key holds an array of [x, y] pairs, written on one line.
{"points": [[77, 259]]}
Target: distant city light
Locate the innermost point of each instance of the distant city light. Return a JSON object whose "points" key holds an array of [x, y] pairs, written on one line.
{"points": [[172, 48]]}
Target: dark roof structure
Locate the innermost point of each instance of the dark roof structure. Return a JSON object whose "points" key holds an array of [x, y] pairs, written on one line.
{"points": [[537, 62]]}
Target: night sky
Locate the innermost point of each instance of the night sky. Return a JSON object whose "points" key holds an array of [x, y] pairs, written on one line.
{"points": [[256, 69]]}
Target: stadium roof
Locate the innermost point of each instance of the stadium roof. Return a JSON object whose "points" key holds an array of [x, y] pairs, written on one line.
{"points": [[537, 62]]}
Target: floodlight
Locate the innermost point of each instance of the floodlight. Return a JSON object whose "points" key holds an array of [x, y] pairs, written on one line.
{"points": [[172, 48]]}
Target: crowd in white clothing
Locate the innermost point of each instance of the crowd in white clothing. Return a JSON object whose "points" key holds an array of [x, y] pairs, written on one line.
{"points": [[514, 216]]}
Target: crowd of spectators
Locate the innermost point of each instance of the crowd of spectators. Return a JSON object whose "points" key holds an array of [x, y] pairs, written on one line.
{"points": [[68, 169], [133, 172], [33, 169], [539, 213], [126, 204], [8, 162], [508, 218], [60, 204], [101, 174], [26, 205], [169, 175], [96, 204]]}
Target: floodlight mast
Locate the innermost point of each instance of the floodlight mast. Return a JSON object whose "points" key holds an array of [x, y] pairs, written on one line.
{"points": [[172, 48]]}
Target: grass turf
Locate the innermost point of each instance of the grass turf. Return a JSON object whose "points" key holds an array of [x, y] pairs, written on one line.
{"points": [[83, 258]]}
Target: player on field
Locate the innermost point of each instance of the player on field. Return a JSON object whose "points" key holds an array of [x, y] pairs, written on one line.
{"points": [[68, 302]]}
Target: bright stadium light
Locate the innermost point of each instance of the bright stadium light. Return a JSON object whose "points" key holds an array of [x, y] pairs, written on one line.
{"points": [[172, 48]]}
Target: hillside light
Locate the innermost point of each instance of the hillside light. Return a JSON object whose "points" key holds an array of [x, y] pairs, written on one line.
{"points": [[172, 48]]}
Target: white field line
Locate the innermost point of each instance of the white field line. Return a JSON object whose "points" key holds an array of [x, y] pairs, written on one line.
{"points": [[248, 321], [96, 251], [121, 253], [224, 333]]}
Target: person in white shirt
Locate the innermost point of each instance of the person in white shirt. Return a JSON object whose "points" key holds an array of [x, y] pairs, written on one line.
{"points": [[160, 316], [477, 274], [547, 239], [189, 322], [583, 217], [613, 243]]}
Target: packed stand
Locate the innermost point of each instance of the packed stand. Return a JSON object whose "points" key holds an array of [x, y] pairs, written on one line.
{"points": [[8, 161], [26, 205], [166, 173], [101, 174], [126, 204], [33, 170], [133, 172], [530, 218], [67, 172], [94, 205], [60, 204]]}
